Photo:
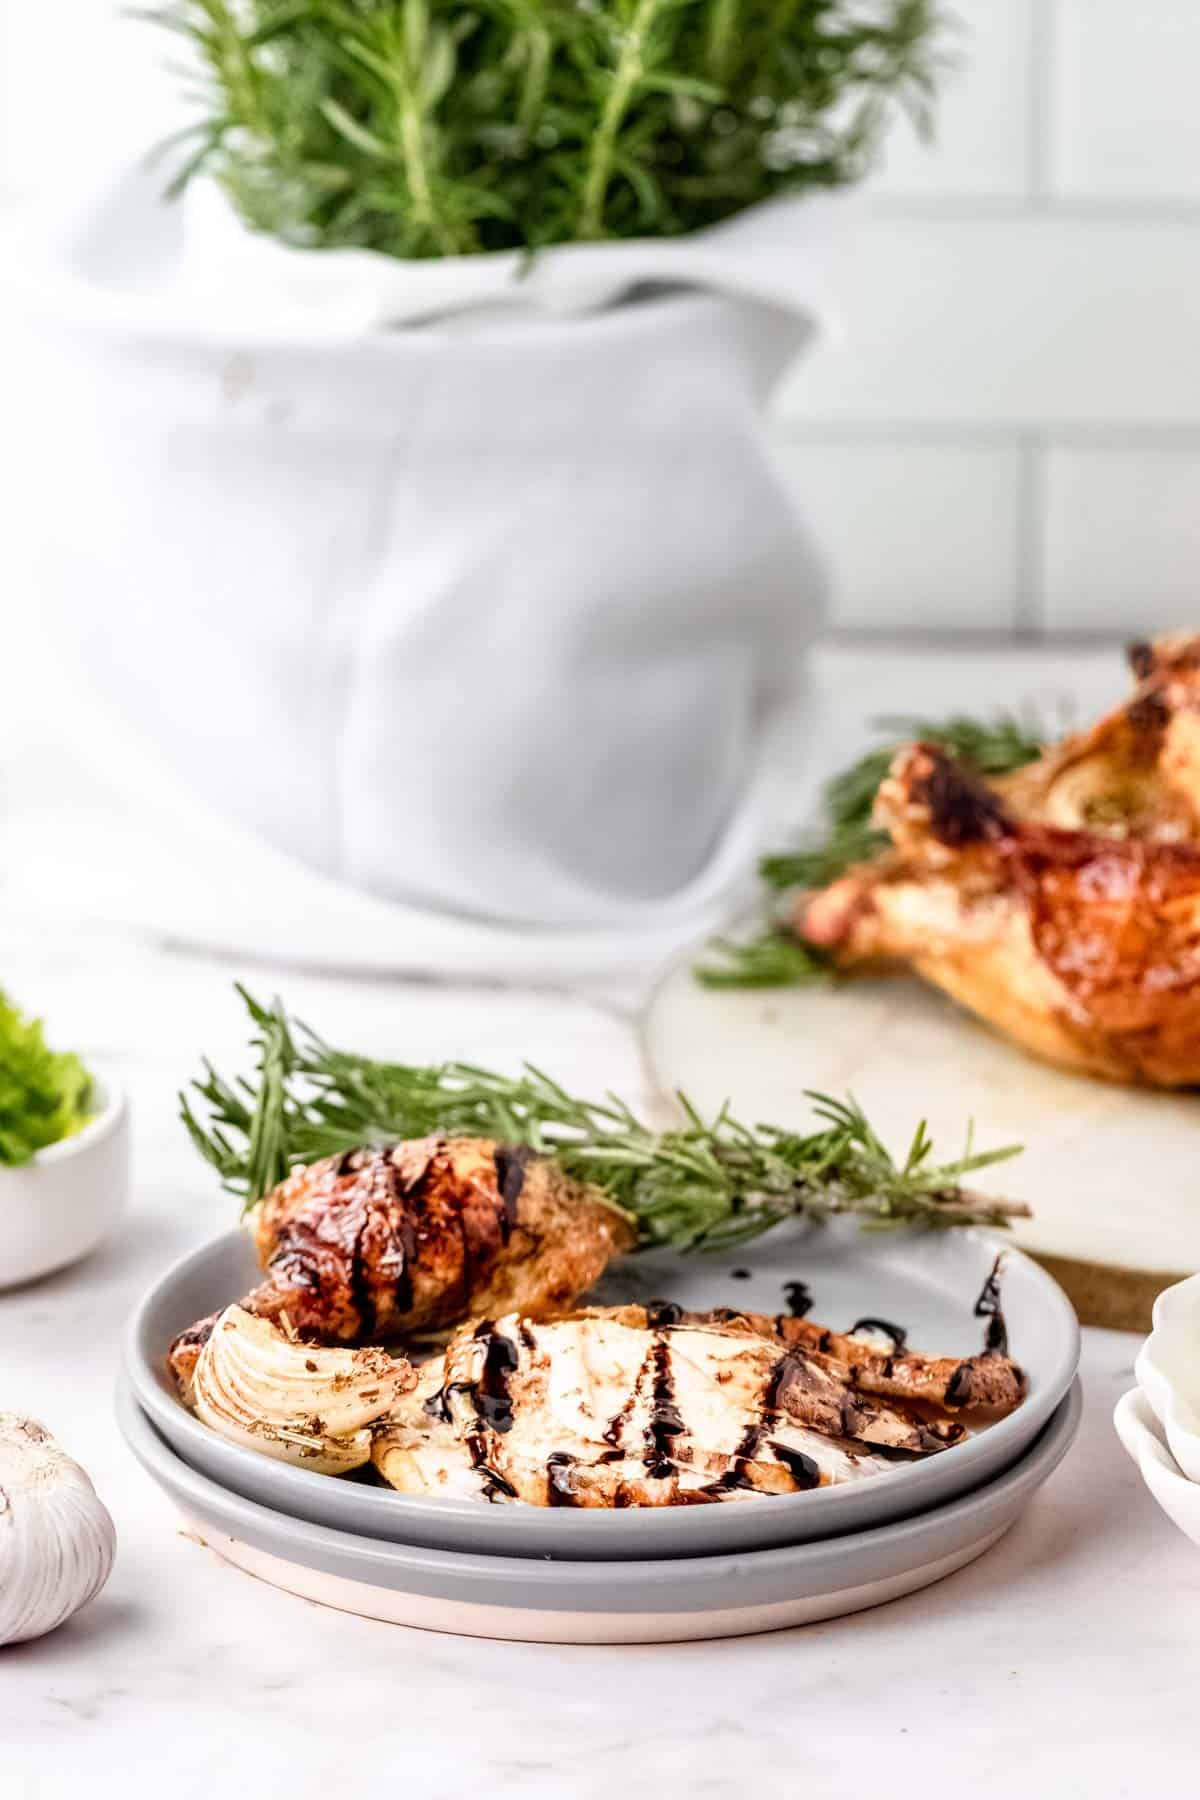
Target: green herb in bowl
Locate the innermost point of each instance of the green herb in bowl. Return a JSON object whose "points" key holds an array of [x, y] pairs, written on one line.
{"points": [[45, 1095]]}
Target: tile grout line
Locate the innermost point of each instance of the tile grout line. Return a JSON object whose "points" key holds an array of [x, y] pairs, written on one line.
{"points": [[968, 434], [1074, 209], [1029, 613], [1042, 105]]}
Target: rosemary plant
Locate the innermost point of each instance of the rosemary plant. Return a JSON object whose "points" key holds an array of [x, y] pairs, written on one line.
{"points": [[704, 1184], [774, 957], [439, 128]]}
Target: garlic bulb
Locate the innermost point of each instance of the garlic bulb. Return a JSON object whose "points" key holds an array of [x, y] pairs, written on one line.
{"points": [[56, 1538], [302, 1403]]}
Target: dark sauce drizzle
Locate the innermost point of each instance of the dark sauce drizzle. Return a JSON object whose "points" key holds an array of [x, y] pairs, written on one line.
{"points": [[493, 1402], [403, 1248], [995, 1340], [801, 1468], [666, 1421], [511, 1162], [559, 1491], [798, 1296], [897, 1333]]}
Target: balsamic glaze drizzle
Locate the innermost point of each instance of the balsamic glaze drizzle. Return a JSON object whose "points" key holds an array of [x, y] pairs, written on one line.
{"points": [[511, 1162], [897, 1333], [493, 1402], [666, 1421], [995, 1340], [798, 1296], [559, 1491], [805, 1473], [803, 1470]]}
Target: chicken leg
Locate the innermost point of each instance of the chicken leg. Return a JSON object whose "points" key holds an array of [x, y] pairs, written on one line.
{"points": [[1083, 947]]}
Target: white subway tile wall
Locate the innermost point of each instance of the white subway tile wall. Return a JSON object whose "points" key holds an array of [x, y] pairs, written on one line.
{"points": [[909, 528], [1122, 537], [1126, 123], [1008, 438]]}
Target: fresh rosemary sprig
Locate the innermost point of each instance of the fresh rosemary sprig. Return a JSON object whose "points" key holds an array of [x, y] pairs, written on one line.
{"points": [[704, 1184], [987, 747], [773, 957], [440, 127]]}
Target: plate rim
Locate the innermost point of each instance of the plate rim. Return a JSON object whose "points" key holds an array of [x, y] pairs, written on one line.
{"points": [[632, 1578], [592, 1526]]}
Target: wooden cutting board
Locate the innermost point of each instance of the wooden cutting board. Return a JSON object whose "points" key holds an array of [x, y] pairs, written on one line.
{"points": [[1112, 1174]]}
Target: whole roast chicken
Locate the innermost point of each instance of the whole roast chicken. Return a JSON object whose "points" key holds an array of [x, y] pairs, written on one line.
{"points": [[1081, 942]]}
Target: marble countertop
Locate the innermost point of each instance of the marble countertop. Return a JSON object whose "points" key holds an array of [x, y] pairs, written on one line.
{"points": [[1064, 1660]]}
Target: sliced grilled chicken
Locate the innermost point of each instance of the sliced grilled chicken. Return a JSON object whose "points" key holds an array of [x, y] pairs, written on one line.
{"points": [[381, 1245], [599, 1411], [1083, 948], [301, 1403], [417, 1451], [878, 1363]]}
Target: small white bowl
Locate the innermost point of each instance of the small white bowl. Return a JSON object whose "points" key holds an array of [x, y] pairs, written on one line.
{"points": [[58, 1207], [1141, 1434], [1168, 1371]]}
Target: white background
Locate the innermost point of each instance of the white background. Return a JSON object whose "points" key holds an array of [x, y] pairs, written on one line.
{"points": [[1009, 441]]}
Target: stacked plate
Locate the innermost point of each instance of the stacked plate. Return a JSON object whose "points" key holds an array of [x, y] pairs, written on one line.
{"points": [[1158, 1421], [648, 1575]]}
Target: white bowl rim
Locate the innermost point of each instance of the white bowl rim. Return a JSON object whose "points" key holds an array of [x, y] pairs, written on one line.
{"points": [[1142, 1437], [113, 1108], [1178, 1414]]}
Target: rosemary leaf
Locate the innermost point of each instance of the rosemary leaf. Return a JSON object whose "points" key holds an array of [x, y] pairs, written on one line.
{"points": [[440, 127], [705, 1184], [772, 959]]}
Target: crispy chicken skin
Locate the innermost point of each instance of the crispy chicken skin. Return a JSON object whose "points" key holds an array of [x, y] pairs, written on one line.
{"points": [[383, 1245], [1136, 773], [1083, 947]]}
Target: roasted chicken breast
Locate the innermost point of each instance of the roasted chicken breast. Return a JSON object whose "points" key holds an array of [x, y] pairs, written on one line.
{"points": [[1084, 947], [384, 1245], [629, 1406]]}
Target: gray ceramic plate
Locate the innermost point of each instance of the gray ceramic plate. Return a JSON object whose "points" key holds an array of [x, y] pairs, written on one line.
{"points": [[927, 1283], [627, 1601]]}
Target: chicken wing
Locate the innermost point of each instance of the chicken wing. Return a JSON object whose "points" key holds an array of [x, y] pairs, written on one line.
{"points": [[1083, 947]]}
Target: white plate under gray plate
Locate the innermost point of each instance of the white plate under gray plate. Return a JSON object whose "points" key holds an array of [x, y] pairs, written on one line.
{"points": [[550, 1601], [927, 1282]]}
